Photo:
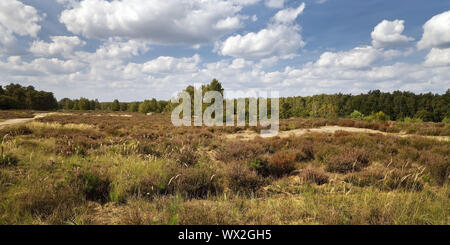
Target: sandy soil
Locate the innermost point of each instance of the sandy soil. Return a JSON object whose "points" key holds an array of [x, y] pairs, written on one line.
{"points": [[21, 120], [249, 135]]}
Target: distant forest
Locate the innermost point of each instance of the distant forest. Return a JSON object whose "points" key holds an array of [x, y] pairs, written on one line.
{"points": [[397, 105], [14, 96]]}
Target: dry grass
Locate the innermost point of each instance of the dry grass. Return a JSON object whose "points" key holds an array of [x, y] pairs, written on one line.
{"points": [[103, 168]]}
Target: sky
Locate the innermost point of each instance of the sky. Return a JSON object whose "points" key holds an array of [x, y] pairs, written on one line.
{"points": [[133, 50]]}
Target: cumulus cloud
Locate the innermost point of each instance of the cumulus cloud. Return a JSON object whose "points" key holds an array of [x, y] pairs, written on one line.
{"points": [[289, 15], [438, 57], [278, 4], [19, 18], [60, 45], [127, 30], [436, 32], [245, 2], [118, 49], [158, 21], [39, 67], [16, 18], [276, 40], [280, 38], [167, 65], [359, 57], [388, 34]]}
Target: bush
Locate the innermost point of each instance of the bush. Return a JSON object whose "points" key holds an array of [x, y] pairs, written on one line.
{"points": [[379, 116], [51, 201], [279, 164], [243, 179], [92, 184], [314, 176], [306, 152], [240, 151], [186, 156], [438, 166], [348, 161], [16, 131], [356, 115], [365, 178], [197, 182], [410, 120]]}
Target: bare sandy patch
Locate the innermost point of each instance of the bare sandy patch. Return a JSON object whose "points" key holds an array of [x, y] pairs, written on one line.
{"points": [[250, 135]]}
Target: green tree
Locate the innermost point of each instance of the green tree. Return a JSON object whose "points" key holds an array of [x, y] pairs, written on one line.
{"points": [[356, 115], [115, 106], [134, 107], [84, 104]]}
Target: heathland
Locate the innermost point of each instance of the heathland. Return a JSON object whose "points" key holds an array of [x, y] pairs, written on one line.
{"points": [[376, 158], [98, 167]]}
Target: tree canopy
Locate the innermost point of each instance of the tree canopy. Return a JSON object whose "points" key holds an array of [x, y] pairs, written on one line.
{"points": [[15, 96]]}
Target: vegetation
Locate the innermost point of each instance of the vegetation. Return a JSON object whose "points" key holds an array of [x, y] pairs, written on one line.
{"points": [[397, 106], [14, 96], [129, 168], [109, 163]]}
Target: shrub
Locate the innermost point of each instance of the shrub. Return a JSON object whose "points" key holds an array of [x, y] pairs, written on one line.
{"points": [[379, 116], [199, 182], [240, 151], [348, 161], [305, 153], [365, 178], [186, 156], [279, 164], [78, 145], [437, 165], [92, 184], [314, 176], [411, 120], [243, 179], [16, 131], [356, 115], [51, 201]]}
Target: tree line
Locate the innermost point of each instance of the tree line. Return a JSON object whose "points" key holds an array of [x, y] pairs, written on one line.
{"points": [[397, 105], [15, 96], [84, 104]]}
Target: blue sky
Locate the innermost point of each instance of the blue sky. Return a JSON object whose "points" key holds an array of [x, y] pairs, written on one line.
{"points": [[134, 50]]}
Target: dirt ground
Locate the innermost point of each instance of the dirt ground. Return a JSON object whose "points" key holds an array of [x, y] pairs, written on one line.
{"points": [[250, 135]]}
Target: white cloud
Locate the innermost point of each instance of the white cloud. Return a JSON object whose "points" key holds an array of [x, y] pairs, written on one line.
{"points": [[280, 38], [118, 49], [436, 32], [275, 40], [16, 18], [158, 21], [41, 66], [19, 18], [245, 2], [278, 4], [356, 58], [388, 34], [359, 57], [166, 64], [60, 45], [438, 57], [289, 15]]}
